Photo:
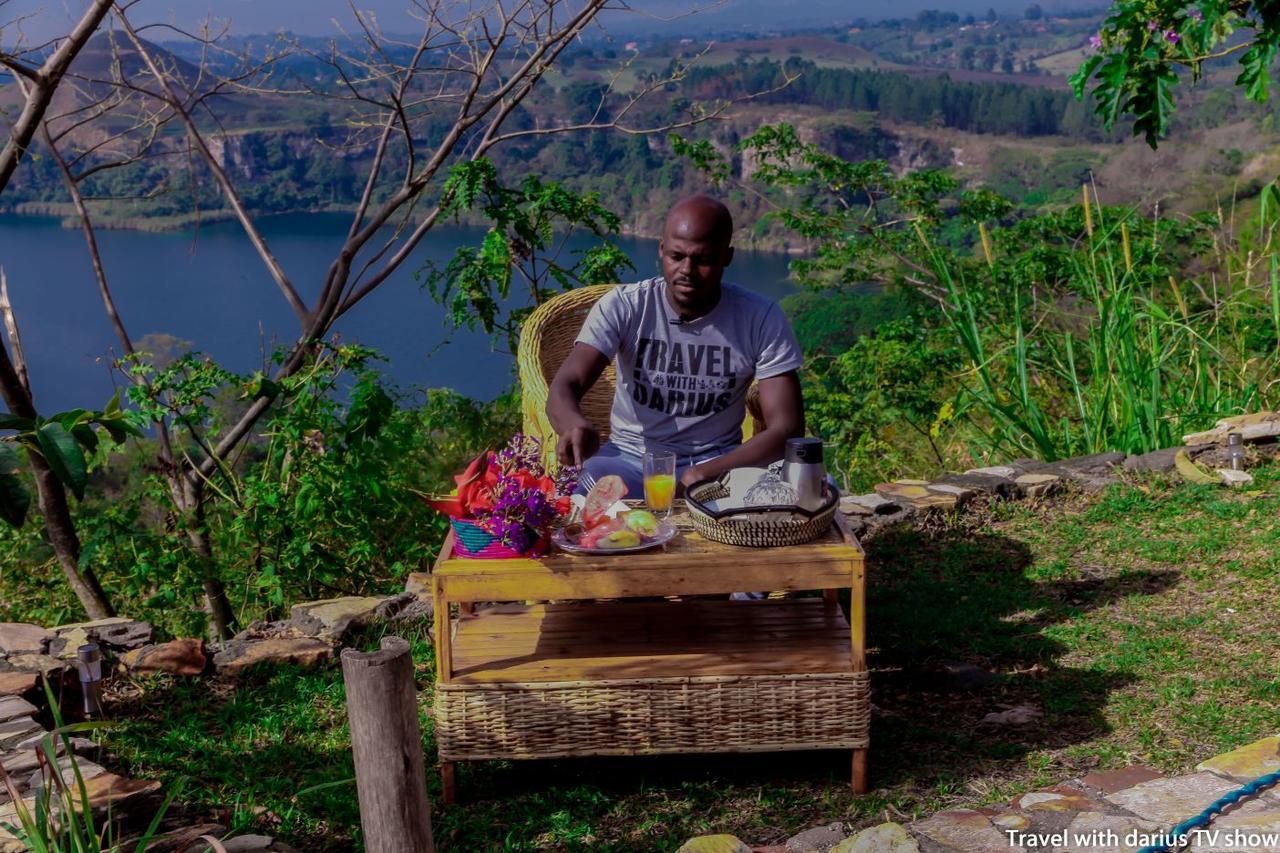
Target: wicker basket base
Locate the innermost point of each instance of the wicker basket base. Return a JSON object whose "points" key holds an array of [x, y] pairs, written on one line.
{"points": [[649, 716]]}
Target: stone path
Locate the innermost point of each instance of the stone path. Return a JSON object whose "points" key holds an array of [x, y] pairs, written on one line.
{"points": [[1117, 810]]}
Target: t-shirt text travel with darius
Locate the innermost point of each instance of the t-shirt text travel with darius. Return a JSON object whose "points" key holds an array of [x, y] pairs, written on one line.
{"points": [[682, 384]]}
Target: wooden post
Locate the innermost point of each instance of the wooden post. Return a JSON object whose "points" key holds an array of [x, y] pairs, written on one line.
{"points": [[382, 706]]}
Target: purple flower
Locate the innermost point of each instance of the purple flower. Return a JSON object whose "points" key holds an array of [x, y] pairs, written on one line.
{"points": [[1153, 25], [1172, 37], [1095, 41], [1195, 14]]}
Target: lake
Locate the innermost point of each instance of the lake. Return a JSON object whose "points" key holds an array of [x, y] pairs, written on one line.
{"points": [[208, 287]]}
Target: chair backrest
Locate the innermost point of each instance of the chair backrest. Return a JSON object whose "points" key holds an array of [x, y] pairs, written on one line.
{"points": [[546, 339]]}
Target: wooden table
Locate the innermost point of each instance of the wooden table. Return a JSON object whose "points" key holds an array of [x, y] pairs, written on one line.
{"points": [[577, 675]]}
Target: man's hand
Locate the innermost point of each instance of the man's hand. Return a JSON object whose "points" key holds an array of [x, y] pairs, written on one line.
{"points": [[578, 445], [694, 474]]}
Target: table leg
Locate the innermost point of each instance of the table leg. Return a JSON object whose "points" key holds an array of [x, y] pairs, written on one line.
{"points": [[443, 638], [448, 783], [860, 771], [830, 598]]}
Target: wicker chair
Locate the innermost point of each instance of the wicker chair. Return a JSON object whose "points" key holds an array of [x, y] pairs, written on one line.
{"points": [[546, 339]]}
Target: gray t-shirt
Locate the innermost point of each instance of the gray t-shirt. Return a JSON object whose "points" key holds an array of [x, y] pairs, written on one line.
{"points": [[682, 385]]}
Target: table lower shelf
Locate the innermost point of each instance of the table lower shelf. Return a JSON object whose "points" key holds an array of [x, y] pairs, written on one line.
{"points": [[628, 678]]}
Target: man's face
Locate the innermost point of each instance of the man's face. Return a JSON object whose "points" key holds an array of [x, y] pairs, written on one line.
{"points": [[693, 264]]}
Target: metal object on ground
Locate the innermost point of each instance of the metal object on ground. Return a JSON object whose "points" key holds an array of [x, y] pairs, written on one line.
{"points": [[1235, 451], [89, 662]]}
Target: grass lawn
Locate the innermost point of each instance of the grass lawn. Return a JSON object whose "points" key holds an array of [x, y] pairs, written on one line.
{"points": [[1140, 622]]}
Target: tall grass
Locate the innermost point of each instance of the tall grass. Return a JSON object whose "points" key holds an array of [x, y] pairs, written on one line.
{"points": [[1117, 360]]}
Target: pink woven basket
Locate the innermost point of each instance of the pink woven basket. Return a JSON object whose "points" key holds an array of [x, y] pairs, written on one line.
{"points": [[474, 542]]}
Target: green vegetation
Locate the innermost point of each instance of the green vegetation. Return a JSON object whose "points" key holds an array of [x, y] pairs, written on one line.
{"points": [[1137, 621]]}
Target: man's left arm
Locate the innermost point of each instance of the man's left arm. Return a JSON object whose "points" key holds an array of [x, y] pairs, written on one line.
{"points": [[783, 411]]}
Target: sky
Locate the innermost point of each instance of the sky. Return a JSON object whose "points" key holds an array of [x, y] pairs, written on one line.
{"points": [[44, 19]]}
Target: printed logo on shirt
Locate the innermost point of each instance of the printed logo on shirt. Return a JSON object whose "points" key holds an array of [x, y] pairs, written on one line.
{"points": [[683, 379]]}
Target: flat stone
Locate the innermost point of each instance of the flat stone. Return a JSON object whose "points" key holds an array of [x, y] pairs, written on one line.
{"points": [[885, 838], [12, 707], [962, 494], [819, 838], [18, 683], [177, 657], [967, 830], [1252, 426], [851, 507], [1248, 762], [1110, 781], [1234, 478], [19, 761], [333, 618], [87, 626], [1019, 715], [36, 663], [987, 484], [1161, 461], [933, 500], [1008, 472], [1011, 821], [20, 638], [1039, 485], [239, 655], [1234, 831], [14, 732], [419, 583], [714, 844], [1057, 799], [1097, 832], [185, 840], [9, 811], [88, 770], [1099, 464], [1174, 799], [908, 492], [875, 503], [959, 675], [131, 635], [110, 789], [79, 745], [255, 844], [66, 644]]}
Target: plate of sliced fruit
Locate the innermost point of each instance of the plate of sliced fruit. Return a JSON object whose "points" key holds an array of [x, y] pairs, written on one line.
{"points": [[603, 524]]}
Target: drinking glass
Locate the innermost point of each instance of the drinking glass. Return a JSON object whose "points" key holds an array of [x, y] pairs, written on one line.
{"points": [[659, 481]]}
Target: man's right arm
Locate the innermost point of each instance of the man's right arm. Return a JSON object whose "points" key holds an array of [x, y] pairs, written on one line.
{"points": [[579, 440]]}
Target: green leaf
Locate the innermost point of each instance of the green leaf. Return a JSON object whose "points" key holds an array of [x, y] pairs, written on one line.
{"points": [[63, 454], [14, 500], [84, 434], [113, 405], [8, 421]]}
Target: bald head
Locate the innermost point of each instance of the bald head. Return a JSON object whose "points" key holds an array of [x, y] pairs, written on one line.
{"points": [[700, 217], [694, 251]]}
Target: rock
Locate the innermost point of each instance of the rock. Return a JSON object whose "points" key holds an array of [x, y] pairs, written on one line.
{"points": [[1253, 426], [967, 830], [15, 731], [185, 840], [37, 663], [13, 707], [65, 645], [1083, 467], [962, 494], [333, 618], [957, 675], [820, 839], [1011, 821], [88, 770], [1110, 781], [1062, 798], [1234, 478], [885, 838], [1102, 829], [21, 638], [1006, 472], [239, 655], [18, 683], [419, 583], [79, 745], [874, 503], [254, 844], [1019, 715], [987, 484], [902, 491], [110, 789], [1039, 485], [1161, 461], [714, 844], [1168, 801], [177, 657], [130, 635], [1248, 762]]}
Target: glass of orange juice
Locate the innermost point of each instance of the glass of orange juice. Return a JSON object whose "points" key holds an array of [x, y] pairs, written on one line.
{"points": [[659, 481]]}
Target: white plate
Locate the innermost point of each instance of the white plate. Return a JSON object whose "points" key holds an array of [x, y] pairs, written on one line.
{"points": [[666, 532]]}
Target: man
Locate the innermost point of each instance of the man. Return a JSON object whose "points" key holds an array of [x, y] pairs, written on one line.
{"points": [[687, 347]]}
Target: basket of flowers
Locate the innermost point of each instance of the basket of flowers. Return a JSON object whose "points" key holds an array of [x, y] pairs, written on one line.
{"points": [[506, 502]]}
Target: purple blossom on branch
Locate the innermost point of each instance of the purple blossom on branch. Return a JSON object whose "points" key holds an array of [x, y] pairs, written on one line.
{"points": [[1153, 25], [1172, 36], [1195, 14], [1095, 41]]}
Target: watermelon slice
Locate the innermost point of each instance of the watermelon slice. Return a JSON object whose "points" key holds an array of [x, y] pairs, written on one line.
{"points": [[591, 539], [607, 491]]}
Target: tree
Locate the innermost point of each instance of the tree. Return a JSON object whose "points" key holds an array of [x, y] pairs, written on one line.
{"points": [[430, 111], [1034, 12], [991, 16], [1143, 43]]}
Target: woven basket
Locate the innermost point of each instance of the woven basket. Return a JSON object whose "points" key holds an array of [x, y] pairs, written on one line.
{"points": [[764, 527], [649, 716], [474, 542]]}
